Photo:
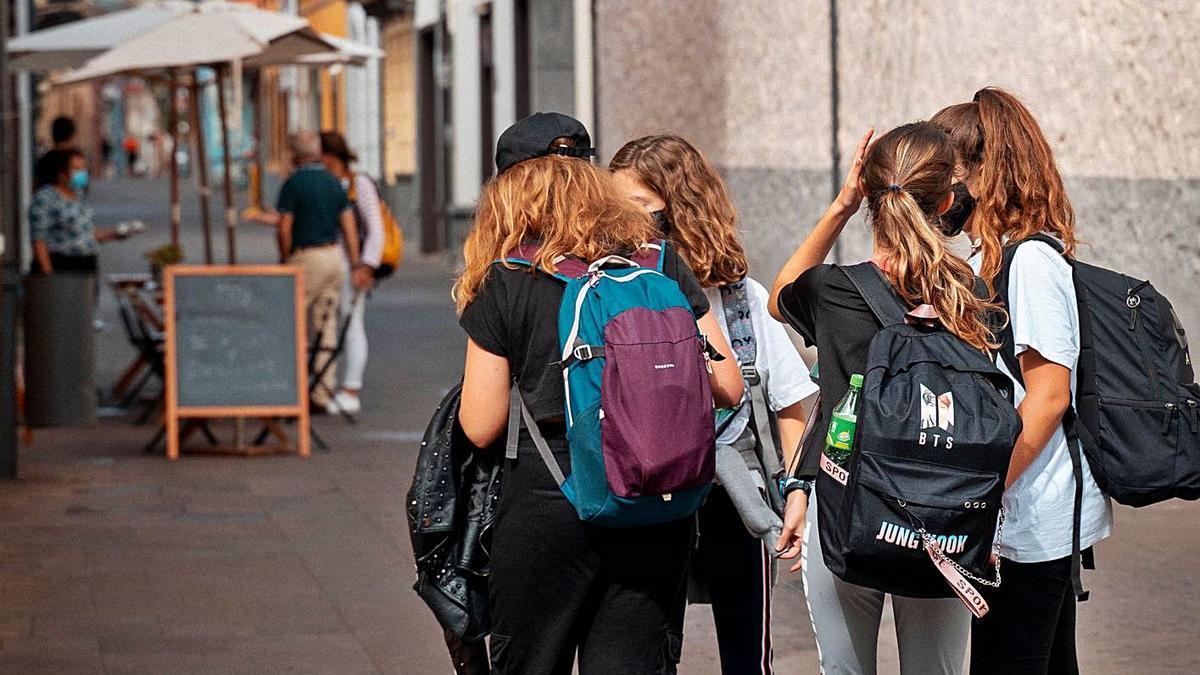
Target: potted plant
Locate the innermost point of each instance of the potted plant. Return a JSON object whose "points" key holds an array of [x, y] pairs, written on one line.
{"points": [[167, 254]]}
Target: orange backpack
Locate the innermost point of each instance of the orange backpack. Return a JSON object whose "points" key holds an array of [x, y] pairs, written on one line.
{"points": [[393, 236]]}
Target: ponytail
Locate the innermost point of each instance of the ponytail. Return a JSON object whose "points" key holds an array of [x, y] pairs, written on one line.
{"points": [[1020, 189], [907, 175]]}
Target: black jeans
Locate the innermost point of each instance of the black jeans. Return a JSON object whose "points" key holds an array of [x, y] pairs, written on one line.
{"points": [[734, 567], [1030, 629], [559, 586]]}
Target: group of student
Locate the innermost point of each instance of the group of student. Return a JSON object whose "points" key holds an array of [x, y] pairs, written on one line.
{"points": [[563, 593]]}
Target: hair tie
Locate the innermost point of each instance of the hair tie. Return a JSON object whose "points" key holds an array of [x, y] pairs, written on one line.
{"points": [[893, 187]]}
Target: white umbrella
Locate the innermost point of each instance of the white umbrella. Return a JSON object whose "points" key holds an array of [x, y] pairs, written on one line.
{"points": [[72, 44], [347, 51], [212, 32]]}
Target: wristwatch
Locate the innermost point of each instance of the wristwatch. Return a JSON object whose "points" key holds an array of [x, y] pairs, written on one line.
{"points": [[789, 484]]}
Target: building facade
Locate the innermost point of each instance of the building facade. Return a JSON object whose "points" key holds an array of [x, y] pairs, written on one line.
{"points": [[1113, 85], [777, 95]]}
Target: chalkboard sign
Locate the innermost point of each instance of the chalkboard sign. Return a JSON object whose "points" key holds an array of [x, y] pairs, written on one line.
{"points": [[235, 344]]}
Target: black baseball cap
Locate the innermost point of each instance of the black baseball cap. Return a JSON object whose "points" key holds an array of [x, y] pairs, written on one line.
{"points": [[534, 136]]}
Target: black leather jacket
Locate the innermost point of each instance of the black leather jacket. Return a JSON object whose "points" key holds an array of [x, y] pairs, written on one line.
{"points": [[451, 507]]}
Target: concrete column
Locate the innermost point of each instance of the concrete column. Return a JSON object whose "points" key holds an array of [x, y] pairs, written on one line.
{"points": [[465, 103], [357, 88], [23, 23], [585, 88], [371, 157], [504, 67]]}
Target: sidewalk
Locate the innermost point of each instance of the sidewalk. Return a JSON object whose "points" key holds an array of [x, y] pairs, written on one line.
{"points": [[112, 561]]}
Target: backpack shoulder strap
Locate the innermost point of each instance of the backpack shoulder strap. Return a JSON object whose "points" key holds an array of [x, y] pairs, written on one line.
{"points": [[518, 412], [651, 255], [1076, 433], [887, 307], [735, 303], [525, 254], [1007, 342]]}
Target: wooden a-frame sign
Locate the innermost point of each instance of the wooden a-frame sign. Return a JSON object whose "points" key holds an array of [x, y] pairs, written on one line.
{"points": [[238, 350]]}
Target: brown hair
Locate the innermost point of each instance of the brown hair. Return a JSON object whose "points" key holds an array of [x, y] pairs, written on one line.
{"points": [[702, 216], [334, 145], [907, 175], [1020, 190], [569, 205]]}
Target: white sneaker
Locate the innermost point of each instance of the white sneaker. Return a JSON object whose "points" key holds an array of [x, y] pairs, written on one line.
{"points": [[344, 401]]}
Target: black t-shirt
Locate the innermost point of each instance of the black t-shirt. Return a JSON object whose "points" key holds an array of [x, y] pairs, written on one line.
{"points": [[826, 309], [515, 315]]}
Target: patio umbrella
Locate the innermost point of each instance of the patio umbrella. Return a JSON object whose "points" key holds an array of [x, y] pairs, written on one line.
{"points": [[71, 45], [212, 33], [345, 51]]}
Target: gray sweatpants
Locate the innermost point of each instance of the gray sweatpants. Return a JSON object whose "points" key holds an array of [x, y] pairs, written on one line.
{"points": [[932, 633]]}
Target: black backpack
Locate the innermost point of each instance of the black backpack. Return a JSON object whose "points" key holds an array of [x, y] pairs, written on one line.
{"points": [[1135, 413], [915, 511]]}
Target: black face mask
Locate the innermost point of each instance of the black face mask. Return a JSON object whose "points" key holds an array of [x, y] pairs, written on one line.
{"points": [[660, 219], [955, 219]]}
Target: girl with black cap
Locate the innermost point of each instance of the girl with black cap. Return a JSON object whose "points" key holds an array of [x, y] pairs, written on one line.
{"points": [[560, 590]]}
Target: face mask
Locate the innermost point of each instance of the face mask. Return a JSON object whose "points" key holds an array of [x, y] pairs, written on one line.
{"points": [[660, 220], [79, 181], [954, 219]]}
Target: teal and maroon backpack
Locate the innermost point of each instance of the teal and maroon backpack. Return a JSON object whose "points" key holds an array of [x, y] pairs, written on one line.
{"points": [[639, 408]]}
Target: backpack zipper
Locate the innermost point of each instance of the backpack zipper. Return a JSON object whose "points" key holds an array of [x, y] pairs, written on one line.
{"points": [[1192, 415], [1169, 409], [1134, 302]]}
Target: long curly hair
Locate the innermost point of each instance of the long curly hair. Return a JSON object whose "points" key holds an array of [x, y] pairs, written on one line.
{"points": [[1020, 189], [907, 175], [569, 205], [703, 218]]}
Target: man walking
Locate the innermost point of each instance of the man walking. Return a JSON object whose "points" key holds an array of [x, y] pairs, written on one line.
{"points": [[313, 207]]}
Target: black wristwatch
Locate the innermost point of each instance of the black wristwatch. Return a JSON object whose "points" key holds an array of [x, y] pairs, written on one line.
{"points": [[789, 484]]}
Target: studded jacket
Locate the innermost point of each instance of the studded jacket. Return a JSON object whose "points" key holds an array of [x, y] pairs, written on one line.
{"points": [[451, 507]]}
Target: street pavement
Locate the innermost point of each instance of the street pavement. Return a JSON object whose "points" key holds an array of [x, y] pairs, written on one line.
{"points": [[114, 561]]}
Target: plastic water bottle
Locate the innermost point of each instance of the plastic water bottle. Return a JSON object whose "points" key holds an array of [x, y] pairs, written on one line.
{"points": [[839, 440]]}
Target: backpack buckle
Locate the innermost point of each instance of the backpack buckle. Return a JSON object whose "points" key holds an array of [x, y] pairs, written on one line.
{"points": [[584, 353], [750, 375]]}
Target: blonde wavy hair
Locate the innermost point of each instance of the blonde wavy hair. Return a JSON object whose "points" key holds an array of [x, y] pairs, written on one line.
{"points": [[1020, 190], [568, 205], [703, 218], [907, 175]]}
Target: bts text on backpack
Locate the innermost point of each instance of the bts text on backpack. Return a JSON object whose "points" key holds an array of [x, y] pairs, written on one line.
{"points": [[915, 511], [639, 407], [1135, 414]]}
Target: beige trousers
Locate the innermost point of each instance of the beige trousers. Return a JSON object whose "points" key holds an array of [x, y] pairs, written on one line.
{"points": [[324, 271]]}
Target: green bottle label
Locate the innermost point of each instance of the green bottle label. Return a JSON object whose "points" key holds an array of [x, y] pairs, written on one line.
{"points": [[841, 431]]}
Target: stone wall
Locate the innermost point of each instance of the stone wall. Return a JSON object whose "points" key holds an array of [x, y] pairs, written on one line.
{"points": [[1114, 85]]}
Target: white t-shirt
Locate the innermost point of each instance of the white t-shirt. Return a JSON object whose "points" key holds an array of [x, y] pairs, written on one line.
{"points": [[784, 375], [1038, 508]]}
